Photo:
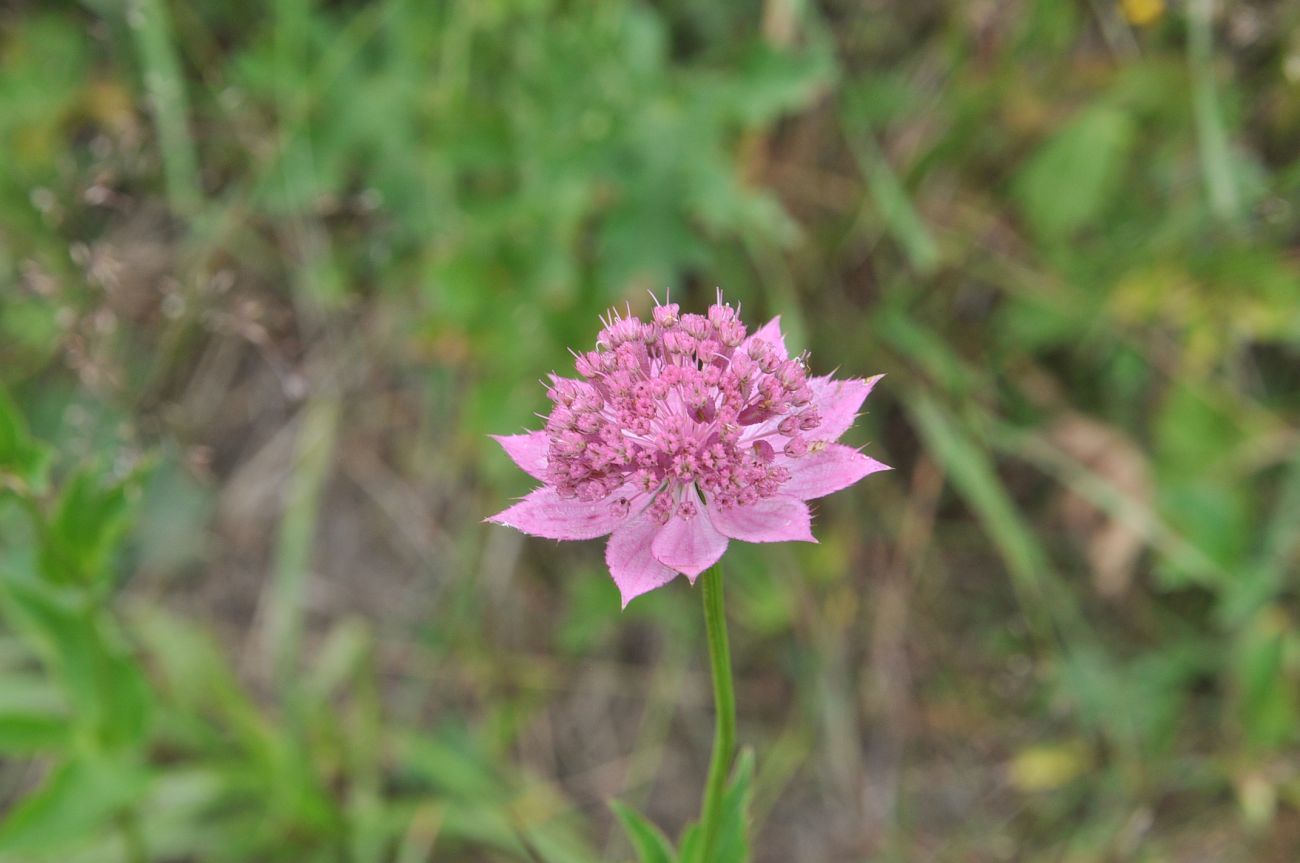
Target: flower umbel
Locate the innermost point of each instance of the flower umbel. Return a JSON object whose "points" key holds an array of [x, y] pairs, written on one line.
{"points": [[683, 433]]}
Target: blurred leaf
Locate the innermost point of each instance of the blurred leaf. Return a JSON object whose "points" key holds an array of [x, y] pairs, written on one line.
{"points": [[971, 471], [43, 66], [451, 762], [77, 798], [771, 81], [733, 837], [188, 816], [24, 463], [485, 804], [925, 347], [894, 204], [649, 842], [149, 21], [1068, 183], [1120, 500], [876, 101], [733, 827], [1282, 539], [313, 460], [29, 334], [339, 660], [107, 690], [1197, 494], [1268, 694], [1049, 25], [88, 521], [193, 671], [1137, 704], [1217, 164], [1040, 321], [33, 732]]}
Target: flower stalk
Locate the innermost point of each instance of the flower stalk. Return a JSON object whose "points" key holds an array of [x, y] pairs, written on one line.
{"points": [[724, 701]]}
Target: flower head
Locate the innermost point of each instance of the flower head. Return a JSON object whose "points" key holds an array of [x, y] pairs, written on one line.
{"points": [[680, 434]]}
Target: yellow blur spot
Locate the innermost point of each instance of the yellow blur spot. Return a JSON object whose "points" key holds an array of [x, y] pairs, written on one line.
{"points": [[1142, 12], [109, 103], [1042, 768], [1257, 797]]}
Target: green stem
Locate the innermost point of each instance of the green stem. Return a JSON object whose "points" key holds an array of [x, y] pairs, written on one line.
{"points": [[724, 700]]}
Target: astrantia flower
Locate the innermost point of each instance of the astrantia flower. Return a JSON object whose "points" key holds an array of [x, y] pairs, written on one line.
{"points": [[682, 434]]}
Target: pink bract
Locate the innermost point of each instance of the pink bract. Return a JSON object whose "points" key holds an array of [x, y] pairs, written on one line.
{"points": [[683, 433]]}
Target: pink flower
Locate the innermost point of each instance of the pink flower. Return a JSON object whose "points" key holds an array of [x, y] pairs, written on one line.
{"points": [[683, 434]]}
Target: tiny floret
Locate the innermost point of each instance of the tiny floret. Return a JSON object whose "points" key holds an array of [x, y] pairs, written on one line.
{"points": [[681, 434]]}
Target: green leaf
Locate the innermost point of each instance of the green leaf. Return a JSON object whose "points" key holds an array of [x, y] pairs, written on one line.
{"points": [[1197, 491], [107, 691], [24, 462], [971, 470], [693, 844], [32, 732], [87, 523], [30, 335], [733, 835], [1267, 696], [1070, 180], [194, 675], [774, 81], [733, 831], [647, 840], [77, 799]]}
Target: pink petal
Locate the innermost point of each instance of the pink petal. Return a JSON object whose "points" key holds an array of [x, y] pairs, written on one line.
{"points": [[545, 513], [819, 473], [772, 519], [528, 451], [838, 403], [631, 562], [689, 545], [771, 332]]}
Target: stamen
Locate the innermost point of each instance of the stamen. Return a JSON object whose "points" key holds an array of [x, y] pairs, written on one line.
{"points": [[674, 402]]}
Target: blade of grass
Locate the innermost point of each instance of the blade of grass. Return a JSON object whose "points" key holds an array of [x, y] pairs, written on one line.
{"points": [[297, 531], [971, 472], [891, 199], [661, 708], [422, 833], [1211, 131], [1262, 582], [1049, 606], [1282, 538], [1103, 494], [152, 31]]}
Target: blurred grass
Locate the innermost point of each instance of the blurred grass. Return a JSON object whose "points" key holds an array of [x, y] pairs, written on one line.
{"points": [[271, 273], [165, 94]]}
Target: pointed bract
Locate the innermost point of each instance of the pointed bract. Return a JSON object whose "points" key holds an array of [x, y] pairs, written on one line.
{"points": [[838, 402], [544, 513], [631, 562], [820, 473], [773, 519], [528, 450], [689, 545]]}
